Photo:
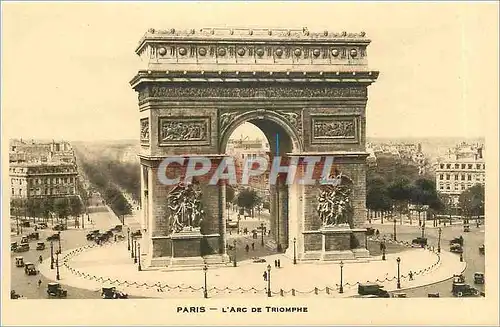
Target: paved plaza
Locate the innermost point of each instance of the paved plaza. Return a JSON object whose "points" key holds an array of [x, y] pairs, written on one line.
{"points": [[94, 266]]}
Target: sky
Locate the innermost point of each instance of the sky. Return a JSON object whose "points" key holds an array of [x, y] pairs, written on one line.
{"points": [[66, 67]]}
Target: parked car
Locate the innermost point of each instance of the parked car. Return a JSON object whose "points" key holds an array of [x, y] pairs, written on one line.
{"points": [[372, 289], [136, 234], [481, 249], [40, 246], [25, 223], [456, 248], [30, 269], [25, 239], [258, 260], [457, 240], [458, 279], [370, 231], [399, 295], [19, 262], [433, 295], [34, 236], [59, 227], [478, 278], [420, 241], [42, 225], [23, 247], [13, 246], [55, 290], [117, 228], [53, 237], [112, 293], [466, 228], [462, 289], [14, 295]]}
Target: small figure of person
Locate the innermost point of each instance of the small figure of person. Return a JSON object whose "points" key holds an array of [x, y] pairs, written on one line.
{"points": [[279, 263], [275, 263], [39, 282], [377, 233], [410, 274], [253, 246], [115, 237], [265, 276], [40, 259], [247, 248]]}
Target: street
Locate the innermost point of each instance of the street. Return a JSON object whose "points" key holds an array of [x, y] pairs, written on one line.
{"points": [[472, 241]]}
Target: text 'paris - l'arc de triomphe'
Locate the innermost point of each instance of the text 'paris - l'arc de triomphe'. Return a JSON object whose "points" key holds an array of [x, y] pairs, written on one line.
{"points": [[306, 91]]}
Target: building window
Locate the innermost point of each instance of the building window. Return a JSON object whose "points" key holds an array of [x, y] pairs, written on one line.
{"points": [[440, 187], [20, 191], [484, 166], [12, 191], [448, 166], [447, 187], [447, 177], [456, 187], [463, 187], [457, 166], [469, 166], [441, 166], [469, 177], [463, 166], [456, 177], [463, 177], [478, 166], [441, 176]]}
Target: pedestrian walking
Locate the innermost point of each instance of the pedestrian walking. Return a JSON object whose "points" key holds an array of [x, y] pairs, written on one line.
{"points": [[247, 248], [279, 263], [40, 259], [253, 246], [275, 263], [265, 276], [39, 282], [410, 274]]}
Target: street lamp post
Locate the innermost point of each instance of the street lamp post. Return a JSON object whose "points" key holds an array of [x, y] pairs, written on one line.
{"points": [[395, 239], [262, 234], [139, 256], [234, 256], [294, 251], [383, 252], [205, 291], [59, 233], [128, 238], [58, 277], [51, 255], [398, 260], [132, 249], [135, 251], [268, 280], [341, 289], [439, 239], [423, 230]]}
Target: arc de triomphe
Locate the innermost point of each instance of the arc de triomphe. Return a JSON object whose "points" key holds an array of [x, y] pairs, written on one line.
{"points": [[307, 89]]}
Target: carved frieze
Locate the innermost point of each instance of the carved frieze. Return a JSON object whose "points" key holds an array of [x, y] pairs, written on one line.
{"points": [[334, 202], [332, 129], [251, 92], [144, 130], [183, 130], [186, 208]]}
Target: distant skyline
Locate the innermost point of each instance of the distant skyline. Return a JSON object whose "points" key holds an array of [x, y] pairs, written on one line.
{"points": [[66, 66]]}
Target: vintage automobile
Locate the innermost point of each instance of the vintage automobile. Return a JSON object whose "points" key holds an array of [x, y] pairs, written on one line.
{"points": [[14, 295], [30, 269], [458, 279], [462, 289], [59, 227], [372, 289], [231, 224], [13, 246], [117, 228], [42, 225], [55, 290], [258, 260], [23, 247], [136, 234], [19, 262], [433, 295], [53, 237], [420, 241], [481, 249], [457, 240], [466, 228], [478, 278], [399, 295], [25, 239], [40, 246], [34, 236], [456, 248], [370, 231], [25, 223], [111, 292], [91, 236]]}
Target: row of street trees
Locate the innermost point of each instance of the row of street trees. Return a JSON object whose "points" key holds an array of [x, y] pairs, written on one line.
{"points": [[46, 208], [247, 198]]}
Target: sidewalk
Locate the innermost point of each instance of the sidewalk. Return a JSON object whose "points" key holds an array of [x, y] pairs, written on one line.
{"points": [[93, 267]]}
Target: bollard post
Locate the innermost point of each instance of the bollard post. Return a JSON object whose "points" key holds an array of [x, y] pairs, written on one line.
{"points": [[281, 292], [293, 291], [327, 290], [316, 290]]}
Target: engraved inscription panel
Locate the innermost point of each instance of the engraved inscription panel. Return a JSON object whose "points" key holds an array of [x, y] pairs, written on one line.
{"points": [[145, 130], [335, 129], [183, 131]]}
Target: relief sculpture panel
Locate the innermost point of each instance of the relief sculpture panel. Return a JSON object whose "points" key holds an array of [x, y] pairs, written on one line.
{"points": [[145, 131], [334, 129], [181, 131]]}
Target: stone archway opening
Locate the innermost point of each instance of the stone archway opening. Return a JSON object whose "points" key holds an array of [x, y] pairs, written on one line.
{"points": [[280, 198]]}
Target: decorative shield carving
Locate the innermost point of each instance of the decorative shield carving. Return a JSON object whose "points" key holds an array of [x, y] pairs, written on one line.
{"points": [[145, 130]]}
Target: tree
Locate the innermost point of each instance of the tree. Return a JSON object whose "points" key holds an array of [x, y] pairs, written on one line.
{"points": [[47, 206], [400, 191], [62, 209], [248, 199], [230, 193], [76, 207], [377, 197], [471, 201]]}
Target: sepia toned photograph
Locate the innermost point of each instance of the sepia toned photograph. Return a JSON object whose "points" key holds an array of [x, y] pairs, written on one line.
{"points": [[244, 163]]}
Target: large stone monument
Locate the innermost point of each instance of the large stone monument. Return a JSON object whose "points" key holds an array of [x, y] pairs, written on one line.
{"points": [[306, 91]]}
